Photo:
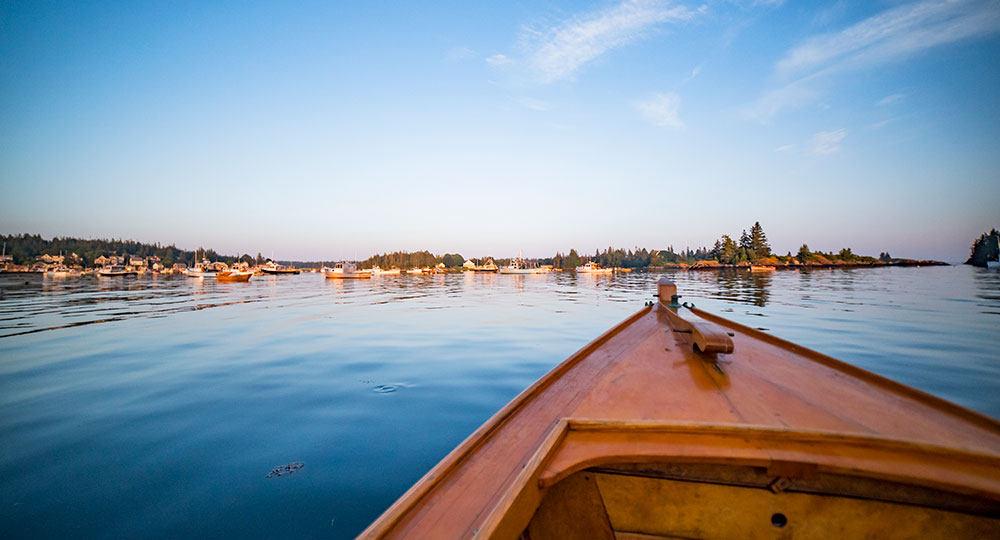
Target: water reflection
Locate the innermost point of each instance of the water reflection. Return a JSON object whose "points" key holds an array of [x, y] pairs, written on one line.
{"points": [[370, 382], [987, 283], [743, 286]]}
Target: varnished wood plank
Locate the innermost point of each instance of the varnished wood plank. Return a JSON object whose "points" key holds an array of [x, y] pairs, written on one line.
{"points": [[671, 508], [572, 510]]}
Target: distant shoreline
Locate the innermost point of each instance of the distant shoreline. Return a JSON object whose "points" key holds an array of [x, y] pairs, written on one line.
{"points": [[711, 265]]}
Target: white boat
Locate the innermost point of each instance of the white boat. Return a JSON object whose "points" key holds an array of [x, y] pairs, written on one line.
{"points": [[414, 271], [376, 271], [202, 269], [274, 268], [61, 271], [116, 271], [345, 270], [592, 268], [520, 266]]}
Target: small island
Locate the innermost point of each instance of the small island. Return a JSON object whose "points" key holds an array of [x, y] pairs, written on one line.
{"points": [[985, 250]]}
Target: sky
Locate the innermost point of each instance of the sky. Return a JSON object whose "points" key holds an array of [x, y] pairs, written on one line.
{"points": [[329, 130]]}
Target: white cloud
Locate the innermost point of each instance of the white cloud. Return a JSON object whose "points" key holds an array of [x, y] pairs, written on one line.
{"points": [[880, 124], [785, 148], [828, 142], [498, 60], [661, 110], [889, 36], [890, 99], [557, 53]]}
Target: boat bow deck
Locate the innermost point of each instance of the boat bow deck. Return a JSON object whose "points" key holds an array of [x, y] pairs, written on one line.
{"points": [[646, 376]]}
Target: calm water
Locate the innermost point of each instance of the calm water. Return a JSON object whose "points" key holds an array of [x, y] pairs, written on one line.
{"points": [[156, 407]]}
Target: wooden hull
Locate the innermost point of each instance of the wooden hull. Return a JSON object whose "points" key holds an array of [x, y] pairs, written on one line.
{"points": [[680, 424], [234, 277], [762, 269], [279, 272]]}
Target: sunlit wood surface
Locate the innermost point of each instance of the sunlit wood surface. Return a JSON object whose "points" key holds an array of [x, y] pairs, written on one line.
{"points": [[645, 392]]}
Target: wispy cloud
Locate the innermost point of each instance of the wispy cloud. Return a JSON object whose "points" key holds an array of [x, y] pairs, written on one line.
{"points": [[785, 148], [772, 102], [532, 103], [828, 142], [498, 60], [694, 73], [892, 35], [880, 124], [557, 53], [890, 99], [460, 53], [661, 110], [896, 32]]}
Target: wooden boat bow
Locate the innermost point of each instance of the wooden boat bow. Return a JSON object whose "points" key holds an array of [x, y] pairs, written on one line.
{"points": [[675, 406]]}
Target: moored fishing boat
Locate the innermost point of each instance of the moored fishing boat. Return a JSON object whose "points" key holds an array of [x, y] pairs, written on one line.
{"points": [[762, 268], [678, 423], [376, 271], [344, 270], [116, 271], [61, 271], [273, 268], [520, 266], [592, 268], [202, 269], [236, 273], [489, 266]]}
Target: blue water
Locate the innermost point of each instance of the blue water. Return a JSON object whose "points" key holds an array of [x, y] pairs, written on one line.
{"points": [[156, 407]]}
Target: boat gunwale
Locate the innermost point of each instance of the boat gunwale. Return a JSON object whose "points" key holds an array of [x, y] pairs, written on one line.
{"points": [[409, 499], [941, 404]]}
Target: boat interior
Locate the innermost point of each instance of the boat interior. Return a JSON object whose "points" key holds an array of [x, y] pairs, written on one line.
{"points": [[686, 500]]}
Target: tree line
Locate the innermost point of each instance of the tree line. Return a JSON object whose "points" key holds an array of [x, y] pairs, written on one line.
{"points": [[985, 248], [751, 247], [25, 248]]}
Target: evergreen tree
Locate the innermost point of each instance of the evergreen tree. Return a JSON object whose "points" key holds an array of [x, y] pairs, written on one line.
{"points": [[758, 242], [745, 240], [729, 250], [804, 254], [572, 260], [984, 248]]}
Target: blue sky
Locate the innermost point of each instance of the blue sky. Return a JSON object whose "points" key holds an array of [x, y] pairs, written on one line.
{"points": [[324, 130]]}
